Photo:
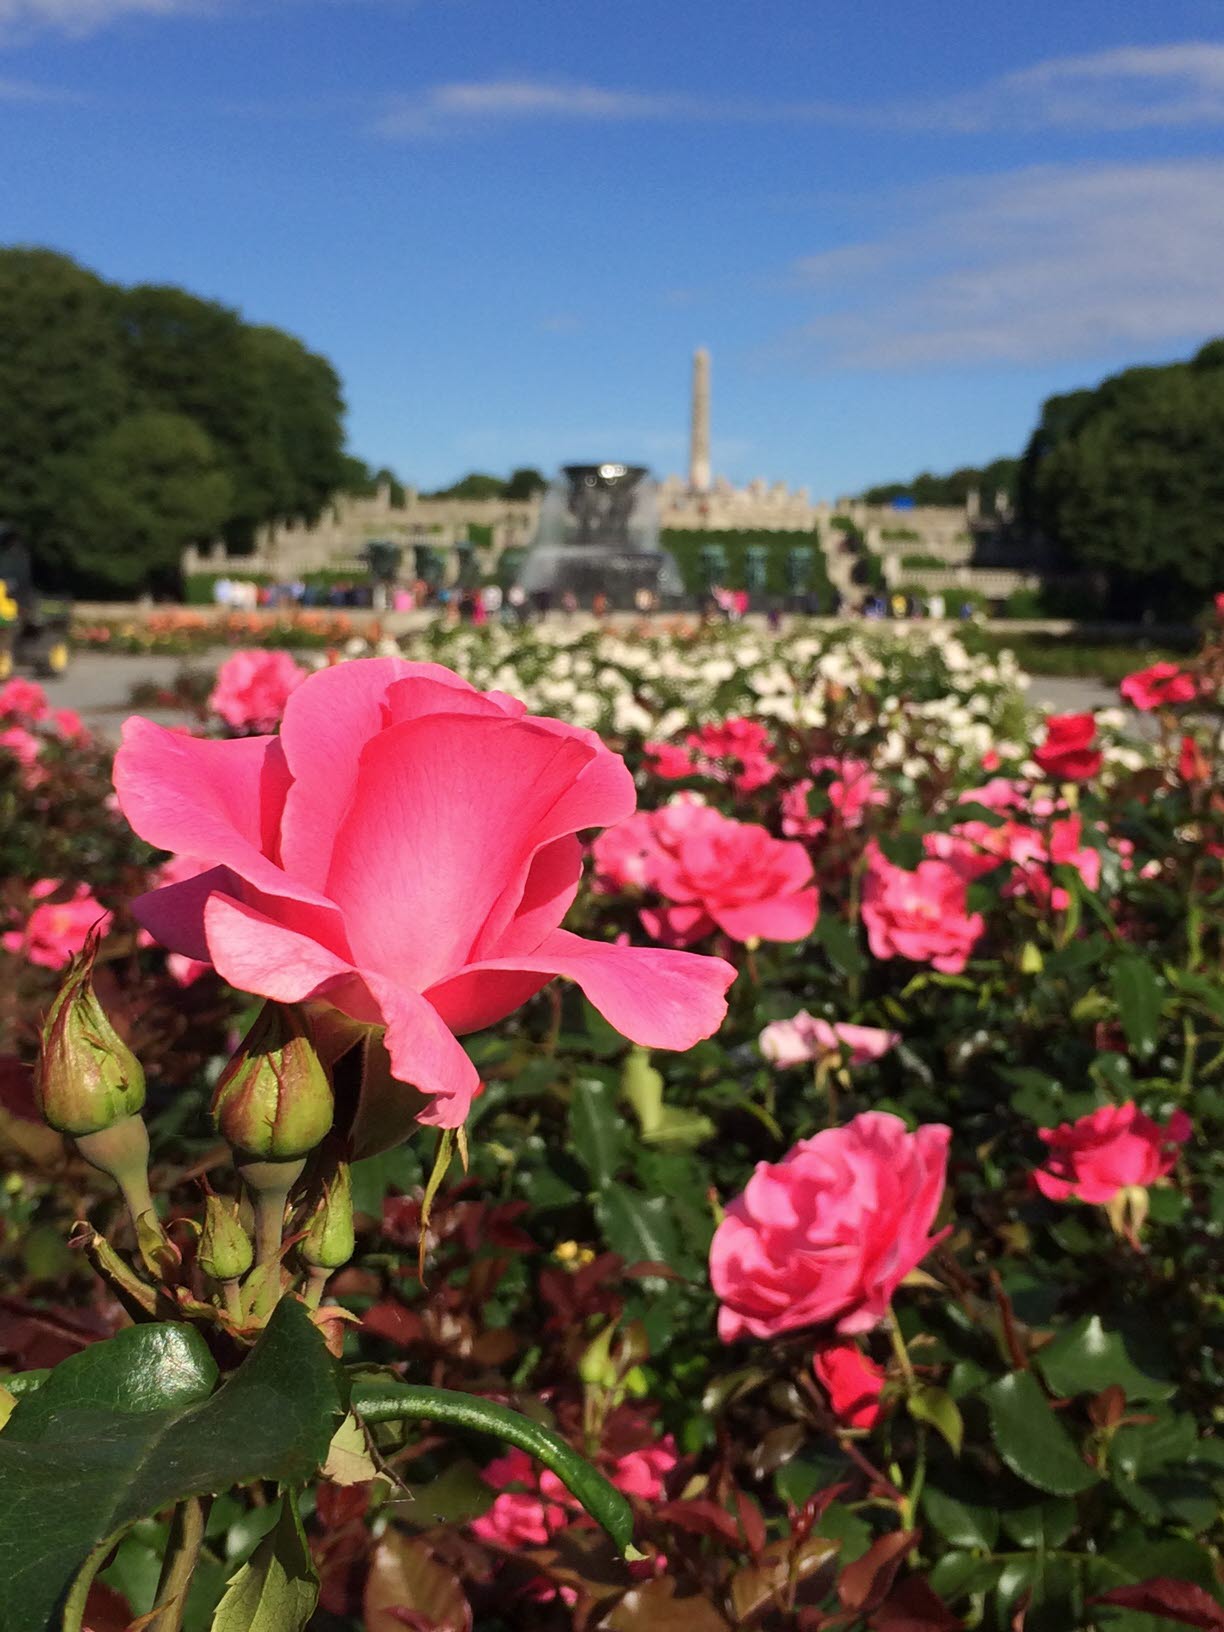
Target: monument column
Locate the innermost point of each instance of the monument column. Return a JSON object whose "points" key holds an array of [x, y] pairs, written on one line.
{"points": [[699, 440]]}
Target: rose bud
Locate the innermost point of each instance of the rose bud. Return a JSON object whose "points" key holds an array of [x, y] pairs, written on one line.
{"points": [[273, 1102], [329, 1240], [225, 1252], [88, 1078]]}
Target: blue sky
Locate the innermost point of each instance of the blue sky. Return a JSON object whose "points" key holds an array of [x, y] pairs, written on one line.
{"points": [[898, 224]]}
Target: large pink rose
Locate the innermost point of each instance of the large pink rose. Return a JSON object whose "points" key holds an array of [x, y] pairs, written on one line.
{"points": [[920, 915], [404, 852], [252, 689], [1111, 1149], [826, 1235]]}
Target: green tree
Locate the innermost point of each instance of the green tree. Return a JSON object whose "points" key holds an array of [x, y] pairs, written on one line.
{"points": [[1128, 480], [475, 485], [524, 483], [63, 382], [134, 499]]}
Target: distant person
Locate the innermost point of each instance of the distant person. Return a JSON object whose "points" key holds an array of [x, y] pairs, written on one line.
{"points": [[599, 604], [900, 606], [517, 600], [643, 600], [223, 591], [492, 597], [743, 601], [569, 603], [937, 607]]}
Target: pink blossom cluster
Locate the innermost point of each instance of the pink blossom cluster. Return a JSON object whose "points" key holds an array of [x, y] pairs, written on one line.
{"points": [[532, 1504], [922, 915], [977, 847], [712, 872], [805, 1038], [27, 721], [252, 688], [1114, 1148], [853, 789], [738, 751], [55, 930]]}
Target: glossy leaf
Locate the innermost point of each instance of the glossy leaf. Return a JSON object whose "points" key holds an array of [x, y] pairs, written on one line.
{"points": [[1087, 1358], [277, 1589], [131, 1425], [1138, 995], [962, 1523], [636, 1226], [1031, 1440], [599, 1135], [934, 1406]]}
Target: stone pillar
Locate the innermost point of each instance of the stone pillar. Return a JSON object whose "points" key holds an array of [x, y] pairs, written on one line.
{"points": [[699, 443]]}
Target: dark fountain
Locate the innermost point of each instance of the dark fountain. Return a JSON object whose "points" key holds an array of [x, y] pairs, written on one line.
{"points": [[598, 532]]}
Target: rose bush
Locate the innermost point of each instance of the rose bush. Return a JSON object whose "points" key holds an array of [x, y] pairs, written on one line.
{"points": [[1032, 1430]]}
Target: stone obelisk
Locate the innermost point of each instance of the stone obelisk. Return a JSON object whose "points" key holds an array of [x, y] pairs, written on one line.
{"points": [[699, 438]]}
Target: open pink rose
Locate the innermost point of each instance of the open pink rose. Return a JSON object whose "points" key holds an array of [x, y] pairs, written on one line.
{"points": [[1161, 686], [826, 1235], [23, 700], [252, 689], [854, 788], [804, 1038], [920, 915], [404, 851], [853, 1383], [55, 931], [1111, 1149]]}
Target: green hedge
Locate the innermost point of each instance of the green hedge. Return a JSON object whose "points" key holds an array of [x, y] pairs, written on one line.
{"points": [[685, 545]]}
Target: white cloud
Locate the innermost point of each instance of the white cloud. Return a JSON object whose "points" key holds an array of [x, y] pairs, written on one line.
{"points": [[1121, 88], [1050, 263], [472, 102], [20, 17]]}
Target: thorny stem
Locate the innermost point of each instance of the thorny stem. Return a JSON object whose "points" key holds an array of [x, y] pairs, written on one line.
{"points": [[178, 1567], [902, 1353]]}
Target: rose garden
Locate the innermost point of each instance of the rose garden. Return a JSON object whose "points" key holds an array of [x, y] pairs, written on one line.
{"points": [[619, 1132]]}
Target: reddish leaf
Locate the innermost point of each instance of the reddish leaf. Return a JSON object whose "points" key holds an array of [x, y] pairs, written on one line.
{"points": [[31, 1338], [393, 1321], [913, 1607], [406, 1577], [752, 1523], [864, 1585], [701, 1517], [782, 1569], [1178, 1601], [656, 1608], [338, 1505]]}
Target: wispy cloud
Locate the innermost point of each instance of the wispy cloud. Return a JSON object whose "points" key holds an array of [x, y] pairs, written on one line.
{"points": [[19, 18], [1123, 88], [1050, 263], [475, 102]]}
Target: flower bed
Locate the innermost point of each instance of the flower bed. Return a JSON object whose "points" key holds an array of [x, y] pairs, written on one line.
{"points": [[892, 1300]]}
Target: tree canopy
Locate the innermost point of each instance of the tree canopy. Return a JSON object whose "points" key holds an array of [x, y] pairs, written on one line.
{"points": [[524, 483], [953, 489], [139, 420], [1128, 481]]}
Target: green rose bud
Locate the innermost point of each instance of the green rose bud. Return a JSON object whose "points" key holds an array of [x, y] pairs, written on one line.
{"points": [[88, 1078], [225, 1252], [329, 1240], [273, 1101]]}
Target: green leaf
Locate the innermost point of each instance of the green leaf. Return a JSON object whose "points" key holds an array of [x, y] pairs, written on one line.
{"points": [[1138, 993], [961, 1523], [596, 1129], [408, 1402], [841, 944], [1086, 1358], [1031, 1440], [1041, 1526], [277, 1589], [638, 1227], [933, 1405], [129, 1426]]}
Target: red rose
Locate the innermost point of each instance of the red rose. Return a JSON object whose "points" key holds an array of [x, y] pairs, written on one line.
{"points": [[1068, 753]]}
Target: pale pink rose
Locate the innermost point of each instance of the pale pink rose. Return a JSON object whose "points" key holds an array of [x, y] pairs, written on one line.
{"points": [[797, 819], [55, 930], [23, 700], [1111, 1149], [804, 1038], [404, 851], [1161, 686], [920, 915], [853, 1383], [1000, 793], [1034, 851], [825, 1236], [252, 689]]}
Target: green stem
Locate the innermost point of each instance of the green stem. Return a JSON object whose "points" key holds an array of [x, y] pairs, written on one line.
{"points": [[902, 1353], [178, 1566], [316, 1280], [408, 1402]]}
